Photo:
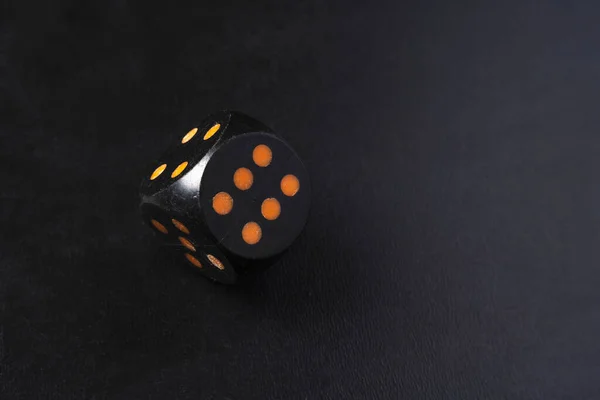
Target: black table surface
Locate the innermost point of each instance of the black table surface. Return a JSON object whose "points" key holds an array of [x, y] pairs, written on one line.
{"points": [[453, 246]]}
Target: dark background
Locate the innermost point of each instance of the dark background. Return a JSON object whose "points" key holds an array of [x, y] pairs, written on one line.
{"points": [[453, 250]]}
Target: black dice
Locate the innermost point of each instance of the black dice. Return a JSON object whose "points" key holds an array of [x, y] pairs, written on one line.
{"points": [[229, 196]]}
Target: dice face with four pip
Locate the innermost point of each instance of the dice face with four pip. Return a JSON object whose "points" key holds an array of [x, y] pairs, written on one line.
{"points": [[229, 196]]}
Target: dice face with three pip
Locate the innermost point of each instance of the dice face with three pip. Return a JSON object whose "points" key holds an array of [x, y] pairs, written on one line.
{"points": [[229, 196]]}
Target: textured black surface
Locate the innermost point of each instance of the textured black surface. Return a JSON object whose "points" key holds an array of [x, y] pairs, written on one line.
{"points": [[452, 249]]}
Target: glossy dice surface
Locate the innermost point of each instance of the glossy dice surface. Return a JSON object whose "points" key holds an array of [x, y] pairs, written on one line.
{"points": [[229, 195]]}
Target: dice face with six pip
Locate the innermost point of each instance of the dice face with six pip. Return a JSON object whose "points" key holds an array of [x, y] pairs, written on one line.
{"points": [[229, 196]]}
